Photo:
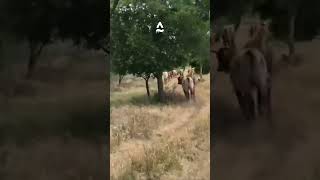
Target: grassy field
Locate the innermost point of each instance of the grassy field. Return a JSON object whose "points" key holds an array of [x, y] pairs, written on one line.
{"points": [[151, 140], [290, 150], [54, 126]]}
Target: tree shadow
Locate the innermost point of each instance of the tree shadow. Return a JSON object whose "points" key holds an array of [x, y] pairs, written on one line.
{"points": [[170, 98]]}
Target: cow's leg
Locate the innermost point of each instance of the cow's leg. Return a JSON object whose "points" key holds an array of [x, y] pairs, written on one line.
{"points": [[248, 104], [269, 105], [194, 93], [242, 103], [265, 96], [269, 101], [186, 93], [189, 95], [261, 103], [255, 104]]}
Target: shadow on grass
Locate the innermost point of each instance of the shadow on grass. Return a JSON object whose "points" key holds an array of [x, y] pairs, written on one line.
{"points": [[83, 119], [170, 98]]}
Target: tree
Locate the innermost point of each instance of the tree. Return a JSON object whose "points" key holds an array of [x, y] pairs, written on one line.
{"points": [[148, 52], [119, 68], [119, 65], [31, 21], [86, 23], [291, 20], [201, 31], [230, 10]]}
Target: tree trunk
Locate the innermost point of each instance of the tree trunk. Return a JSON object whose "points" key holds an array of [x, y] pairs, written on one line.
{"points": [[31, 64], [201, 71], [160, 87], [120, 79], [291, 38], [237, 23], [35, 51], [1, 56], [106, 50], [114, 6], [147, 86], [146, 78]]}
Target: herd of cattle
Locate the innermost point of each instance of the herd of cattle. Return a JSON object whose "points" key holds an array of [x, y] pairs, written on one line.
{"points": [[249, 68], [186, 78]]}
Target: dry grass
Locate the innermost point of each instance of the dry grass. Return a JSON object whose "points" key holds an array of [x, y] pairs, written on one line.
{"points": [[161, 140], [133, 123], [54, 126], [157, 160], [54, 158]]}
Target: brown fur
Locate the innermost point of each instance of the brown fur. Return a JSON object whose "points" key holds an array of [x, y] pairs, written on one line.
{"points": [[226, 53], [165, 76], [188, 86], [260, 36], [249, 75]]}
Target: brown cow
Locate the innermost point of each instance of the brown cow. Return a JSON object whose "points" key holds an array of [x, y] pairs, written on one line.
{"points": [[225, 53], [165, 76], [249, 76], [188, 86], [260, 35]]}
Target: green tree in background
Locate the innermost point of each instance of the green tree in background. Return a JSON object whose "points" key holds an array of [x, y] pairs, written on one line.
{"points": [[135, 42], [291, 20], [41, 22], [84, 22], [30, 21], [229, 11]]}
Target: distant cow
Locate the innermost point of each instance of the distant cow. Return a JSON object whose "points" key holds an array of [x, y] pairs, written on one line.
{"points": [[165, 76], [188, 86], [181, 72], [170, 75], [174, 73], [225, 53], [191, 73], [260, 35]]}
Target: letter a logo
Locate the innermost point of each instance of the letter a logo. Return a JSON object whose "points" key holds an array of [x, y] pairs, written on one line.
{"points": [[160, 28]]}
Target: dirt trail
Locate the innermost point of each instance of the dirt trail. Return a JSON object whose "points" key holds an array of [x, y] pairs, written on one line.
{"points": [[182, 121], [135, 147]]}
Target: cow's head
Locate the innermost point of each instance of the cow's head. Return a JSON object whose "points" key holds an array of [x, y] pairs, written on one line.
{"points": [[180, 79], [224, 56], [259, 31]]}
